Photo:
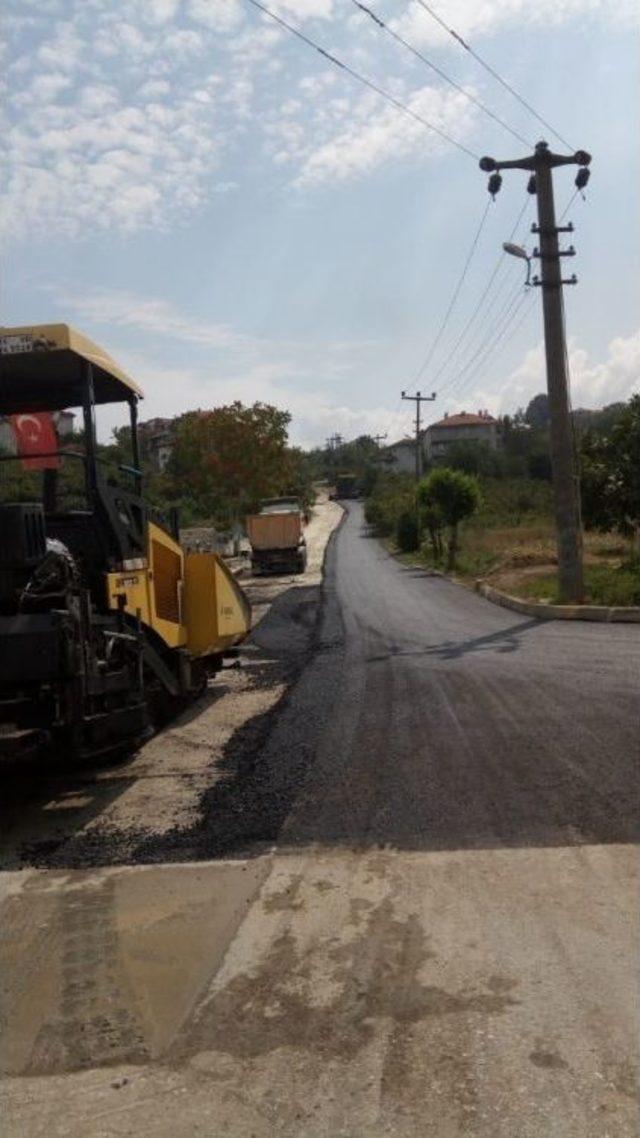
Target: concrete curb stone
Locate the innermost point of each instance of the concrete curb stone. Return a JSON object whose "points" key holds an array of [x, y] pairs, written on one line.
{"points": [[558, 612]]}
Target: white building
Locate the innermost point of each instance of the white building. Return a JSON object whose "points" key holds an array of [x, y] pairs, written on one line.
{"points": [[460, 428], [400, 457]]}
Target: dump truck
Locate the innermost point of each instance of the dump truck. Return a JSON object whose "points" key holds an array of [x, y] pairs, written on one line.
{"points": [[346, 486], [276, 537], [105, 622]]}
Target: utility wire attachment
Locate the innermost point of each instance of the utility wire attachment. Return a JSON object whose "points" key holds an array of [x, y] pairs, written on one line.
{"points": [[483, 63], [438, 71], [397, 103]]}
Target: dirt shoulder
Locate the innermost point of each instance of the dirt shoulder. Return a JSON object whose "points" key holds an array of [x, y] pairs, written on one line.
{"points": [[180, 796]]}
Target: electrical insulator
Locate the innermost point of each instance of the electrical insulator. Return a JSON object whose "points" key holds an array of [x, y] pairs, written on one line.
{"points": [[531, 185], [495, 181], [582, 177]]}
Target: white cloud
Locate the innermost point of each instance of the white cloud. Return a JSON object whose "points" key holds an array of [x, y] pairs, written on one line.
{"points": [[171, 390], [593, 384], [222, 364], [471, 18], [219, 15], [186, 83], [376, 133], [149, 315]]}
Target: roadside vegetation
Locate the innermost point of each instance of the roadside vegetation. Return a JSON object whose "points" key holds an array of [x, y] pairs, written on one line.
{"points": [[506, 533], [223, 462]]}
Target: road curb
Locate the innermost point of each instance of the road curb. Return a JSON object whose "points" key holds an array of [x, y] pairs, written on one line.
{"points": [[543, 611]]}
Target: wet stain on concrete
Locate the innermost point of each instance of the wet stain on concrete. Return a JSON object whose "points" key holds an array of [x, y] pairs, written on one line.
{"points": [[624, 1077], [285, 899], [548, 1060], [501, 983], [324, 886], [377, 977], [96, 1023]]}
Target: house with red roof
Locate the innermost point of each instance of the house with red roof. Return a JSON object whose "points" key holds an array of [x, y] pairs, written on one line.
{"points": [[463, 427]]}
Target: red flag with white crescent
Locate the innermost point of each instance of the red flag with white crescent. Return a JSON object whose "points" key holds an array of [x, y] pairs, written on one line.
{"points": [[36, 440]]}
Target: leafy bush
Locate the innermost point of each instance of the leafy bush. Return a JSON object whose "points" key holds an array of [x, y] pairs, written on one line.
{"points": [[407, 532], [394, 494], [449, 496]]}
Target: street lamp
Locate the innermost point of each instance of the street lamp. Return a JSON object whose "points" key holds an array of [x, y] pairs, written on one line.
{"points": [[518, 251]]}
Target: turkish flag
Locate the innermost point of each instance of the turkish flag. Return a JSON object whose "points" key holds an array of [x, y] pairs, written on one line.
{"points": [[35, 435]]}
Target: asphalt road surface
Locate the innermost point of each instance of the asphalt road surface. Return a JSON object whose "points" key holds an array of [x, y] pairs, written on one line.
{"points": [[440, 940], [442, 722]]}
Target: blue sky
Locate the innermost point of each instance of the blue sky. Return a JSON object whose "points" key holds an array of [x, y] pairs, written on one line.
{"points": [[233, 217]]}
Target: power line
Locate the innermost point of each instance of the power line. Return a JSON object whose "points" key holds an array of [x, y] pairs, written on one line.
{"points": [[508, 327], [400, 106], [478, 306], [508, 310], [438, 70], [491, 70], [454, 297], [470, 321]]}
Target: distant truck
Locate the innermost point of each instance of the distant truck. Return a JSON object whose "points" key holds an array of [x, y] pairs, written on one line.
{"points": [[346, 486], [277, 538]]}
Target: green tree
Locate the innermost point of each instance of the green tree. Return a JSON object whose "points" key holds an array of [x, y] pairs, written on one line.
{"points": [[537, 412], [393, 495], [454, 496], [610, 475], [230, 457], [475, 457]]}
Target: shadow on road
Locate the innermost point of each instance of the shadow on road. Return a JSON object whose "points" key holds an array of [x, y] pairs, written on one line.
{"points": [[504, 640]]}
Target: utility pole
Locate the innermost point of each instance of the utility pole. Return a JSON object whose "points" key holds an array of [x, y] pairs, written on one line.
{"points": [[563, 461], [377, 439], [418, 399]]}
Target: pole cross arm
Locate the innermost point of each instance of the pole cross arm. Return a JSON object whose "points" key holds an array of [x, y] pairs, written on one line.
{"points": [[572, 280], [570, 252], [542, 157]]}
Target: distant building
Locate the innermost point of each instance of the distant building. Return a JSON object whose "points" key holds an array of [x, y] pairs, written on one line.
{"points": [[460, 428], [400, 457], [64, 421], [156, 442]]}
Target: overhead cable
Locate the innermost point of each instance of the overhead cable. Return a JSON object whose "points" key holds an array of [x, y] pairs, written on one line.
{"points": [[438, 70], [506, 324], [503, 315], [397, 103], [507, 334], [452, 32], [454, 297], [483, 296]]}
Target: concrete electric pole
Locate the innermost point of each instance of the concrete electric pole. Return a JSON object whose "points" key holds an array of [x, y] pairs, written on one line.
{"points": [[563, 462], [418, 399]]}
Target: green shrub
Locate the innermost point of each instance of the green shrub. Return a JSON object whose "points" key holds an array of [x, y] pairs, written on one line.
{"points": [[407, 532]]}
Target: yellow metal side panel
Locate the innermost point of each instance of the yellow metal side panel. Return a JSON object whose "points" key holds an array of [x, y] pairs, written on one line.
{"points": [[135, 586], [138, 586], [174, 633], [217, 613]]}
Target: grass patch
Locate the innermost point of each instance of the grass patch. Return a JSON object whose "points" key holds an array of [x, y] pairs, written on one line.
{"points": [[618, 586]]}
